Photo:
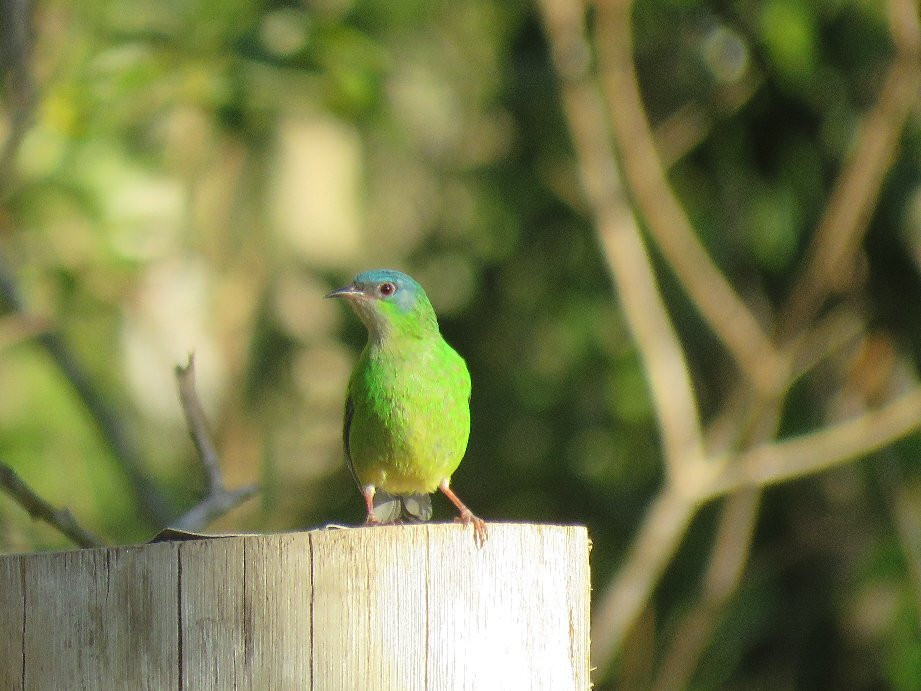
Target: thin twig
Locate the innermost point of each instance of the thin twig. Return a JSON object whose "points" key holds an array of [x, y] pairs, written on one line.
{"points": [[218, 500], [854, 196], [39, 509], [198, 426], [111, 430], [708, 289], [622, 601], [756, 420], [731, 549], [691, 124], [841, 327], [213, 506], [628, 261], [826, 448]]}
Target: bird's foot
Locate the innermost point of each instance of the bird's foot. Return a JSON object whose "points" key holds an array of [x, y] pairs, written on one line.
{"points": [[466, 515], [480, 533]]}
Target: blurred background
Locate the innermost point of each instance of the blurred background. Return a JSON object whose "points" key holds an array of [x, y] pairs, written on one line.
{"points": [[195, 175]]}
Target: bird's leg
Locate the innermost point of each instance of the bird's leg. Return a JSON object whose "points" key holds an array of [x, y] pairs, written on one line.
{"points": [[368, 492], [466, 515]]}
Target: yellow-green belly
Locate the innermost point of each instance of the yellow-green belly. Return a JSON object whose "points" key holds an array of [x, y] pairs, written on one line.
{"points": [[411, 416]]}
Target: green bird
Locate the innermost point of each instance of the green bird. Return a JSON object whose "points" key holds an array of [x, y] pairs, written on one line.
{"points": [[407, 411]]}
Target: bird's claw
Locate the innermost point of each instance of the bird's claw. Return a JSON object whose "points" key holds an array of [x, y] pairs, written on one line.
{"points": [[480, 532]]}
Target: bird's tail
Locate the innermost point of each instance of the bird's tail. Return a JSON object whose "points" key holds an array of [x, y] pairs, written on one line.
{"points": [[413, 508]]}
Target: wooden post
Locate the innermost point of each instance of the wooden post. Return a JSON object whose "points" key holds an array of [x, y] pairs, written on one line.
{"points": [[390, 608]]}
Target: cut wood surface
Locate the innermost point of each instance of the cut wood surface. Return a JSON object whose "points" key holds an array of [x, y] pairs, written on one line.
{"points": [[397, 607]]}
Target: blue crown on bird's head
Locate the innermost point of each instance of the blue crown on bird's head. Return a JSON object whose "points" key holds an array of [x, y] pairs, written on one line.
{"points": [[382, 275], [403, 282], [376, 293]]}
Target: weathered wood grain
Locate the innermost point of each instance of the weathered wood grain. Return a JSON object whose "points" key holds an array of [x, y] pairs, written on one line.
{"points": [[276, 611], [100, 618], [12, 625], [369, 616], [401, 607], [513, 607]]}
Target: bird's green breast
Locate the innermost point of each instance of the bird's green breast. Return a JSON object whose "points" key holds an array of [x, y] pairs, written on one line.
{"points": [[411, 416]]}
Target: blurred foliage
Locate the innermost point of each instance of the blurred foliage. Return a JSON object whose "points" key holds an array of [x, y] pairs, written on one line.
{"points": [[198, 174]]}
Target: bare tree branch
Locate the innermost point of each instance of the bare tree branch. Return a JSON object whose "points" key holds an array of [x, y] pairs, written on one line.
{"points": [[725, 567], [840, 232], [113, 433], [826, 448], [841, 327], [711, 293], [218, 500], [622, 600], [691, 124], [198, 426], [625, 596], [39, 509], [107, 422], [691, 479], [672, 393], [628, 261], [213, 506], [856, 191], [770, 371]]}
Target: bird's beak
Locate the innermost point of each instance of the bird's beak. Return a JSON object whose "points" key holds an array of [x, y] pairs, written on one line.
{"points": [[349, 291]]}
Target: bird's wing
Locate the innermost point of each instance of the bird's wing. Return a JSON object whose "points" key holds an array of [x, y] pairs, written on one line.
{"points": [[346, 426]]}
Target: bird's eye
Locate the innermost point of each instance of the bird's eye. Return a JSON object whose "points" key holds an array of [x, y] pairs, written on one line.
{"points": [[386, 290]]}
